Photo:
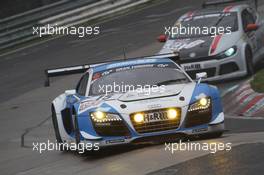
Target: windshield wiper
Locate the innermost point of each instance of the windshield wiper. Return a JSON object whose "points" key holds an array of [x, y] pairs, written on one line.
{"points": [[219, 20], [171, 81]]}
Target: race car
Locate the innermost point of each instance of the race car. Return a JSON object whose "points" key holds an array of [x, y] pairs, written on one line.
{"points": [[153, 99], [225, 39]]}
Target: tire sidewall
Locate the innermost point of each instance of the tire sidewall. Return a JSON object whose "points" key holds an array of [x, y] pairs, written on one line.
{"points": [[76, 130], [77, 135], [249, 61], [55, 125]]}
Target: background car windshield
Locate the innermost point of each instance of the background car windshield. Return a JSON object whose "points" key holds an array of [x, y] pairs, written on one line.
{"points": [[138, 77], [208, 21]]}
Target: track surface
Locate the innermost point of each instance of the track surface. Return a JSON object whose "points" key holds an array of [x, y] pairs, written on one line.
{"points": [[25, 105]]}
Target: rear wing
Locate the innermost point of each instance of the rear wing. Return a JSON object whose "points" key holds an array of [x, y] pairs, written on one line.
{"points": [[209, 3], [78, 69], [61, 71]]}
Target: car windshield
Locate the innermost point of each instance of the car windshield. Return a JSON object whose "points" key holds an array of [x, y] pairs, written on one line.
{"points": [[131, 79], [205, 25]]}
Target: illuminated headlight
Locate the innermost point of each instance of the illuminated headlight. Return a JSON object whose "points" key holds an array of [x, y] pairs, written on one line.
{"points": [[99, 116], [201, 104], [230, 52], [138, 118], [173, 114], [165, 114], [227, 53]]}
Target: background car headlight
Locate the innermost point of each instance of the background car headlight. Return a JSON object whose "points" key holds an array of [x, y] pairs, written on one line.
{"points": [[227, 53], [201, 104], [100, 116]]}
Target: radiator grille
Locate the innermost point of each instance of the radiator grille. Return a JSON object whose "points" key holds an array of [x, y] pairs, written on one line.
{"points": [[159, 121]]}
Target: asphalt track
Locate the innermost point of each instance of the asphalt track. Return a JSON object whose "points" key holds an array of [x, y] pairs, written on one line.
{"points": [[25, 106]]}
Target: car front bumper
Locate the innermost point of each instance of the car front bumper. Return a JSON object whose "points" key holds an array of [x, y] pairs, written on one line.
{"points": [[217, 125], [217, 69]]}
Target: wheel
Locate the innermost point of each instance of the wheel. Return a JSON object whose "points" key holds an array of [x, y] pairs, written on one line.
{"points": [[56, 130], [77, 134], [249, 61], [76, 129]]}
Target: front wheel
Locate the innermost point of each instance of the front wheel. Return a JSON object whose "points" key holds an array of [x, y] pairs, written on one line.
{"points": [[80, 148], [56, 129], [249, 62], [76, 130]]}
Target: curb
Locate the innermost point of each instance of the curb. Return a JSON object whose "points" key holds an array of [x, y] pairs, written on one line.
{"points": [[244, 101]]}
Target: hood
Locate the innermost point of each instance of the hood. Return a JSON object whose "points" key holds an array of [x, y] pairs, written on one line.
{"points": [[190, 47], [166, 91], [199, 47], [138, 101]]}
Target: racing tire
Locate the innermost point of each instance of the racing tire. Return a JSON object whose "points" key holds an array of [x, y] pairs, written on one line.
{"points": [[76, 130], [56, 129], [249, 62], [77, 133]]}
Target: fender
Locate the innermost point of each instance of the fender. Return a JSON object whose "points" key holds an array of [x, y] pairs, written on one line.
{"points": [[59, 104]]}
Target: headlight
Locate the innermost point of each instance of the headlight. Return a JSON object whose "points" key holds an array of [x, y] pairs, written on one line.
{"points": [[100, 116], [173, 114], [159, 115], [227, 53], [138, 118], [201, 104]]}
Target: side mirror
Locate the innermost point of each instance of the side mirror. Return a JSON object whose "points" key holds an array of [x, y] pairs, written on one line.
{"points": [[252, 27], [162, 38], [200, 76], [70, 92]]}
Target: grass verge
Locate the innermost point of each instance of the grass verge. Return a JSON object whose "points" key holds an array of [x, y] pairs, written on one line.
{"points": [[258, 82]]}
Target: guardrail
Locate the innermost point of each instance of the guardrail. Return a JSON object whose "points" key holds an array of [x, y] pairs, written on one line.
{"points": [[17, 27], [20, 31]]}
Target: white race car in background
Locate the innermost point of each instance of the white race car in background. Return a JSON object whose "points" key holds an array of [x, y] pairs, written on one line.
{"points": [[223, 56]]}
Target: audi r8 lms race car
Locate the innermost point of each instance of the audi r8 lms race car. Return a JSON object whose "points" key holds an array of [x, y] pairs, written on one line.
{"points": [[224, 39], [133, 101]]}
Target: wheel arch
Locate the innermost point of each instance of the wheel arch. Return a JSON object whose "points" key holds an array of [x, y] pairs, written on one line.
{"points": [[58, 105]]}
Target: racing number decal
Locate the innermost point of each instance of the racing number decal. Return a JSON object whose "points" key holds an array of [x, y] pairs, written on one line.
{"points": [[178, 45], [193, 44]]}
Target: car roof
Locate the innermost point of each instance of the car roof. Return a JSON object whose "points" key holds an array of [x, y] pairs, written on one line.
{"points": [[216, 9], [130, 62]]}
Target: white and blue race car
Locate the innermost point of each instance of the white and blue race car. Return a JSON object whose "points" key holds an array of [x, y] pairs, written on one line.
{"points": [[134, 112]]}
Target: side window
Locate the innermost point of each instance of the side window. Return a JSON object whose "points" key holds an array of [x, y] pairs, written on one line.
{"points": [[247, 18], [82, 85]]}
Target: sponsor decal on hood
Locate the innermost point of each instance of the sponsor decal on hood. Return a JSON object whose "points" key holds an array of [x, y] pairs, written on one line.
{"points": [[170, 90], [189, 48]]}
